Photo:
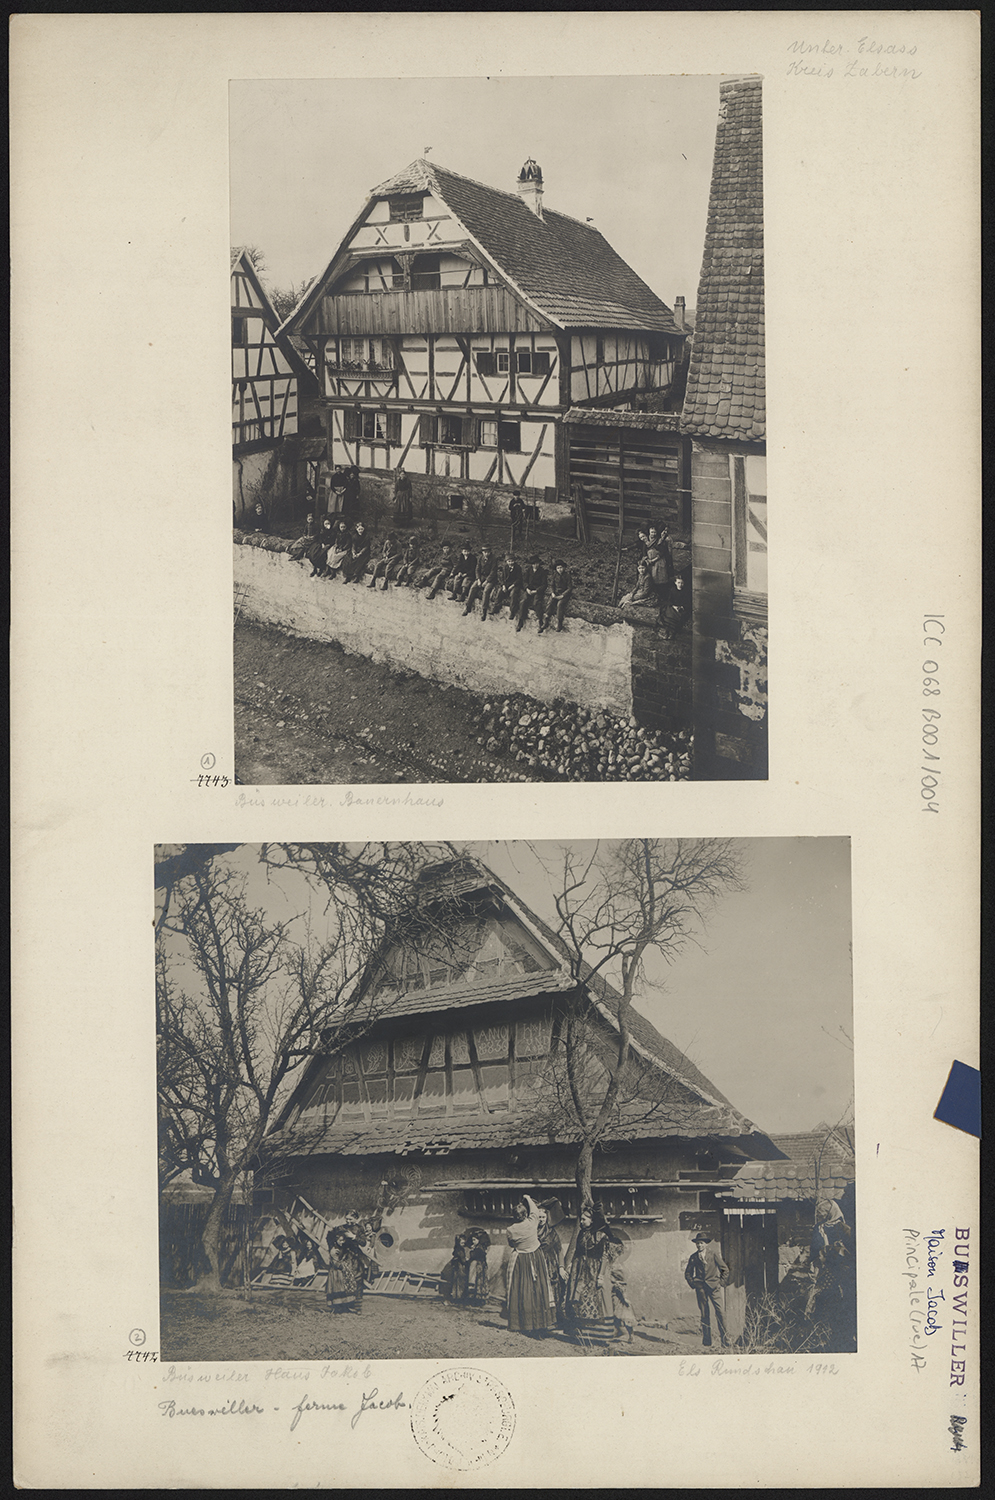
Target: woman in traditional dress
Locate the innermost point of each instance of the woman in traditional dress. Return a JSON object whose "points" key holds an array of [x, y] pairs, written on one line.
{"points": [[476, 1270], [338, 549], [586, 1308], [346, 1271], [551, 1212], [359, 555], [402, 497], [531, 1302]]}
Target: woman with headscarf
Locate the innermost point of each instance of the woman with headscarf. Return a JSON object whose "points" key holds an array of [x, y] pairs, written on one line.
{"points": [[531, 1301], [359, 555], [586, 1305], [346, 1270], [551, 1213], [338, 549]]}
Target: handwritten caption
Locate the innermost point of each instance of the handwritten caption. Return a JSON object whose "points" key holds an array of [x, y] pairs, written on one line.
{"points": [[931, 1311], [348, 799], [867, 57], [933, 631], [688, 1367], [370, 1400]]}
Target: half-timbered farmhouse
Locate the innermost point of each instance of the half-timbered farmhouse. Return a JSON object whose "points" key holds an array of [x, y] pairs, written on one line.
{"points": [[457, 324], [445, 1109], [274, 461], [724, 414]]}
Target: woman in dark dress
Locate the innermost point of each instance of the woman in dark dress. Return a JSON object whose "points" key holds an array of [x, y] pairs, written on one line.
{"points": [[551, 1213], [346, 1271], [354, 565], [587, 1306]]}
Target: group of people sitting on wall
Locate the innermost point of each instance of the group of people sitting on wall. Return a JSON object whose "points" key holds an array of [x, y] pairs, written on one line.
{"points": [[658, 584], [582, 1293], [336, 550]]}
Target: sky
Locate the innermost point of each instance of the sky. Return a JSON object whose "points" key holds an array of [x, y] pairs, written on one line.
{"points": [[633, 154], [763, 1007]]}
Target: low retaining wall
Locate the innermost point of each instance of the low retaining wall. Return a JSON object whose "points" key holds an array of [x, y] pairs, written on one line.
{"points": [[599, 659]]}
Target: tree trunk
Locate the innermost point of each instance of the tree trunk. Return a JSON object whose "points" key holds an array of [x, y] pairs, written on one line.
{"points": [[211, 1236], [585, 1162]]}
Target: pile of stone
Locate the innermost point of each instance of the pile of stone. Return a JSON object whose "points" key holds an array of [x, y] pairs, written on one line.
{"points": [[570, 743]]}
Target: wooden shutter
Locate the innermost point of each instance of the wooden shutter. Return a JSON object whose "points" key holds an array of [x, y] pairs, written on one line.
{"points": [[426, 429], [468, 436], [485, 364], [349, 431], [394, 427]]}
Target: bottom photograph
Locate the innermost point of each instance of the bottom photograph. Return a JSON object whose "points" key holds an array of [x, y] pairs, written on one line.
{"points": [[505, 1099]]}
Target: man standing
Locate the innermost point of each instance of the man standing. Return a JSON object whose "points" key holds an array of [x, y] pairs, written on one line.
{"points": [[707, 1273]]}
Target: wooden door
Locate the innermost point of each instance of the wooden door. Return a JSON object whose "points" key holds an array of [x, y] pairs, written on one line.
{"points": [[749, 1248]]}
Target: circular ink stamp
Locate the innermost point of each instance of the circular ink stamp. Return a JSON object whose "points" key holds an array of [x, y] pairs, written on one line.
{"points": [[463, 1419]]}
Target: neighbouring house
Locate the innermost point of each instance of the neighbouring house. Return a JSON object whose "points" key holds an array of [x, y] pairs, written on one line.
{"points": [[277, 445], [444, 1110], [724, 416], [457, 324]]}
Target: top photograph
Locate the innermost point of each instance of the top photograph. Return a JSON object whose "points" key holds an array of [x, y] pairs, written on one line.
{"points": [[498, 430]]}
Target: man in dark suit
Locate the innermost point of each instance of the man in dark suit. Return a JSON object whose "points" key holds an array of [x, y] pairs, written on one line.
{"points": [[535, 580], [505, 585], [463, 574], [483, 578], [707, 1273]]}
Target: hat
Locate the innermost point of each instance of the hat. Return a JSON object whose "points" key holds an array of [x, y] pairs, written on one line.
{"points": [[706, 1237]]}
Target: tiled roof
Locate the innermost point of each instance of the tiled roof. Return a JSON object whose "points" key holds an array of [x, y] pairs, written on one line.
{"points": [[502, 1131], [659, 421], [566, 269], [725, 389], [818, 1165]]}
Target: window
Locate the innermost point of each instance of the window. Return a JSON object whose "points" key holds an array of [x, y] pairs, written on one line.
{"points": [[451, 431], [510, 436], [372, 426], [406, 207], [425, 276], [485, 364], [749, 476], [488, 434], [364, 354], [533, 361], [239, 332], [502, 362]]}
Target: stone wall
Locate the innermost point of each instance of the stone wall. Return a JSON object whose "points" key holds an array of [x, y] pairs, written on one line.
{"points": [[599, 660]]}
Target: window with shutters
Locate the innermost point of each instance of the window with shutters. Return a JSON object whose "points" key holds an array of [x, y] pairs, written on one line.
{"points": [[447, 432], [485, 363], [510, 436], [488, 434], [533, 362]]}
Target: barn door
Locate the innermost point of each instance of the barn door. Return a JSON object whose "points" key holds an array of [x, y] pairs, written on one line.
{"points": [[631, 477], [750, 1250]]}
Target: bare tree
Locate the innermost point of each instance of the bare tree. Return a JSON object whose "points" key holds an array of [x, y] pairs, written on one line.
{"points": [[615, 907], [257, 258], [286, 298], [243, 1000]]}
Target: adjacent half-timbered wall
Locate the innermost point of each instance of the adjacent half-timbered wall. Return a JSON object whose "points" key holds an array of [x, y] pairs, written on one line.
{"points": [[604, 364], [263, 383], [729, 556]]}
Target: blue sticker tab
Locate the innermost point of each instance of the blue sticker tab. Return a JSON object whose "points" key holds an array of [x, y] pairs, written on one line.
{"points": [[960, 1102]]}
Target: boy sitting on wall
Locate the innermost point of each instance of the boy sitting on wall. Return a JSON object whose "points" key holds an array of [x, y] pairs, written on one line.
{"points": [[405, 575], [535, 580], [388, 558], [506, 585], [560, 594], [463, 574], [483, 578], [441, 572]]}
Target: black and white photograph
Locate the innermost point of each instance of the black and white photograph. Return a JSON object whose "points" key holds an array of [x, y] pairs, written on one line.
{"points": [[508, 381], [505, 1100]]}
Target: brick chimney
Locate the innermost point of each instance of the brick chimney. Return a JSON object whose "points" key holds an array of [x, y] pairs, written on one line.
{"points": [[679, 311], [530, 186]]}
